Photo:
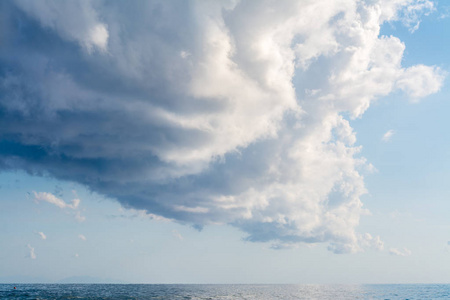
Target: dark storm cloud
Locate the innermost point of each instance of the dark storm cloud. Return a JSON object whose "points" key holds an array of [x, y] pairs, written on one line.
{"points": [[203, 113]]}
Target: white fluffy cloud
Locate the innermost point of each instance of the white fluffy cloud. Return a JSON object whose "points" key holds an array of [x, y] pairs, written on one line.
{"points": [[218, 112], [82, 237], [420, 81]]}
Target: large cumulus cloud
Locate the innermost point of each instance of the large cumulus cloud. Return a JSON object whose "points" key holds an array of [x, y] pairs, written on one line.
{"points": [[207, 112]]}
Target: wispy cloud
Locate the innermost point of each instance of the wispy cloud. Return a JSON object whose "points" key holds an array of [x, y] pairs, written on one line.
{"points": [[79, 217], [81, 237], [444, 12], [32, 254], [42, 235], [400, 252], [388, 135], [411, 14], [177, 235], [50, 198], [201, 210], [131, 213]]}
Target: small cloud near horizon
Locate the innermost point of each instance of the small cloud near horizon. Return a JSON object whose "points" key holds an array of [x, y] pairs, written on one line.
{"points": [[400, 252], [32, 254]]}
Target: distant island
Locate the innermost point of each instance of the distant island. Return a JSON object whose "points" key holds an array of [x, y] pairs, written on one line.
{"points": [[72, 279]]}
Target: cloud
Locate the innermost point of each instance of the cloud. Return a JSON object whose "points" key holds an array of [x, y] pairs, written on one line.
{"points": [[206, 112], [411, 14], [50, 198], [131, 213], [42, 235], [388, 135], [400, 252], [420, 81], [32, 254], [74, 21], [81, 237], [444, 12], [79, 217], [177, 235]]}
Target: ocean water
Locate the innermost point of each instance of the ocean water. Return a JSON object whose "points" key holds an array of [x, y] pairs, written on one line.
{"points": [[230, 291]]}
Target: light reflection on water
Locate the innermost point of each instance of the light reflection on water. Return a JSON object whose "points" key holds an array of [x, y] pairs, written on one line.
{"points": [[231, 291]]}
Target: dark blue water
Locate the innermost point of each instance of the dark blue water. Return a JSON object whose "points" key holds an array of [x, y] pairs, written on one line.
{"points": [[180, 291]]}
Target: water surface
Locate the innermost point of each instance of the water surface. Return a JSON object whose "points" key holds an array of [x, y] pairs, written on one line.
{"points": [[228, 291]]}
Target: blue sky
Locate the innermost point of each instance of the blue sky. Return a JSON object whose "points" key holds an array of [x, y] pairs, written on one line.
{"points": [[229, 142]]}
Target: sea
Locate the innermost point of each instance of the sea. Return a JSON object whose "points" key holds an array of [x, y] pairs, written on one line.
{"points": [[225, 291]]}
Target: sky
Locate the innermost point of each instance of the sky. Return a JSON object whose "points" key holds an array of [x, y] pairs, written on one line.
{"points": [[224, 141]]}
